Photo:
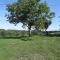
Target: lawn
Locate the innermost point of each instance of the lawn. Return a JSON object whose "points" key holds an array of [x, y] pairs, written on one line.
{"points": [[34, 48]]}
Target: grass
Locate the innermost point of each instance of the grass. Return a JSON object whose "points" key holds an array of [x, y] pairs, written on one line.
{"points": [[35, 48]]}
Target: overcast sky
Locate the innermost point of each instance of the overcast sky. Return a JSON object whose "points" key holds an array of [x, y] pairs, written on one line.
{"points": [[53, 4]]}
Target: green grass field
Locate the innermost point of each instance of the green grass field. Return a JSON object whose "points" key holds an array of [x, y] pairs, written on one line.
{"points": [[35, 48]]}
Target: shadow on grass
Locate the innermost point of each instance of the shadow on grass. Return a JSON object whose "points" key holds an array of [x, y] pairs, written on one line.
{"points": [[23, 38], [26, 39], [51, 35]]}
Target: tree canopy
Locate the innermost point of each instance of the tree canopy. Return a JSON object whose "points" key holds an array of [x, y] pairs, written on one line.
{"points": [[30, 13]]}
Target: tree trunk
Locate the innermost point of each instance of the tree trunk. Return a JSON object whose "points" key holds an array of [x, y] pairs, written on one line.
{"points": [[46, 32], [29, 31]]}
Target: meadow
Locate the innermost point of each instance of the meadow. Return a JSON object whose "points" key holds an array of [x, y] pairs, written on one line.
{"points": [[33, 48]]}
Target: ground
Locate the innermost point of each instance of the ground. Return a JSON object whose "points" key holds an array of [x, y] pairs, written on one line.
{"points": [[33, 48]]}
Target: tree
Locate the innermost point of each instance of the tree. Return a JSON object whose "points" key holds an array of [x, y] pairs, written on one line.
{"points": [[30, 13]]}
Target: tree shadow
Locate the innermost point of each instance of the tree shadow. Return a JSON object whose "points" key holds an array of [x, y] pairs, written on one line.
{"points": [[10, 37], [55, 35], [23, 38], [26, 39]]}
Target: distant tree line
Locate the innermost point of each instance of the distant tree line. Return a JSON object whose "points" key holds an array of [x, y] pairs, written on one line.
{"points": [[12, 33]]}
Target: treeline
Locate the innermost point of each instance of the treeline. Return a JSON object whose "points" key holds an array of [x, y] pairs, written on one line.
{"points": [[12, 33], [21, 33]]}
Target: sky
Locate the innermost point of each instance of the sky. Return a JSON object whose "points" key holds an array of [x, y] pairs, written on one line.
{"points": [[53, 4]]}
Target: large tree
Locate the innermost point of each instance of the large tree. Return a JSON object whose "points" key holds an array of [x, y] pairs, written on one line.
{"points": [[30, 13]]}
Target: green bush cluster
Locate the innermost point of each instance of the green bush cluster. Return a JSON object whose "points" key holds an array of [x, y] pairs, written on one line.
{"points": [[12, 33]]}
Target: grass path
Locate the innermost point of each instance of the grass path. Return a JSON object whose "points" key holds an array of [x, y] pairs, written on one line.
{"points": [[39, 48]]}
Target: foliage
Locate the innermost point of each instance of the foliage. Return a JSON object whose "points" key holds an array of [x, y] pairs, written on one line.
{"points": [[30, 13], [12, 33]]}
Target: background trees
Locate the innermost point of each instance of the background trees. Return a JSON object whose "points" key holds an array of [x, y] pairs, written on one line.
{"points": [[32, 13]]}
